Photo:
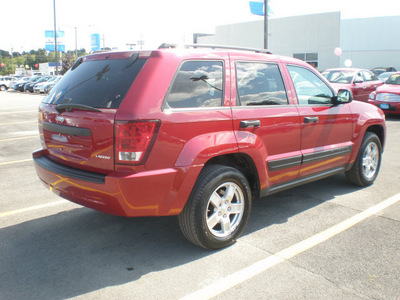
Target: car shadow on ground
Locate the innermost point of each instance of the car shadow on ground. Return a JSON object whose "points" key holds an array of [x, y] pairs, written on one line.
{"points": [[79, 251], [395, 118]]}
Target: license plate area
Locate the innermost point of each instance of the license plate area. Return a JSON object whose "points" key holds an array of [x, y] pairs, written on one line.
{"points": [[384, 106]]}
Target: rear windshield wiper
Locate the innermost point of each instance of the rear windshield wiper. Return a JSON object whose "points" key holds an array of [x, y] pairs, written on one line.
{"points": [[70, 106]]}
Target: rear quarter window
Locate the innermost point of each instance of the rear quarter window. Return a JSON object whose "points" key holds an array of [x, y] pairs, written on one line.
{"points": [[98, 83], [196, 84]]}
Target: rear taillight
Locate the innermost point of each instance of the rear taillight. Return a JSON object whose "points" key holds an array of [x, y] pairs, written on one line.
{"points": [[133, 141]]}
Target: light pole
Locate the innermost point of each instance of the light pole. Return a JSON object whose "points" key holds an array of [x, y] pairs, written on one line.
{"points": [[76, 38], [12, 61], [265, 24], [55, 36]]}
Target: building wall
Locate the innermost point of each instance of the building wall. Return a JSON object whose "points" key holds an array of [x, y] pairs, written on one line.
{"points": [[369, 42], [317, 33]]}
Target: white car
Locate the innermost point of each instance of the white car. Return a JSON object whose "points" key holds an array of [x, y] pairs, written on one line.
{"points": [[15, 81], [45, 87], [5, 82]]}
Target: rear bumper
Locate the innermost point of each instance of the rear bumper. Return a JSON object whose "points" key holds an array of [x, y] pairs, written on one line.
{"points": [[150, 193]]}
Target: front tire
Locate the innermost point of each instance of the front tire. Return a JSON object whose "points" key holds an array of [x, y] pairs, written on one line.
{"points": [[366, 167], [217, 209]]}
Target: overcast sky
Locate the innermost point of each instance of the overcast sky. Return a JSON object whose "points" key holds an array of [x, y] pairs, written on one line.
{"points": [[121, 22]]}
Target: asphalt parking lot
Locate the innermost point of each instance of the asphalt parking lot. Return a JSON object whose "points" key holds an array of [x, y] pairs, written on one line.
{"points": [[324, 240]]}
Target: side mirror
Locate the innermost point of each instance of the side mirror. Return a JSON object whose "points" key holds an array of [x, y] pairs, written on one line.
{"points": [[343, 96], [358, 80]]}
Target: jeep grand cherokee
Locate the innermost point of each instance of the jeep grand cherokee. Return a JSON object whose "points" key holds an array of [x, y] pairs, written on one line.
{"points": [[199, 133]]}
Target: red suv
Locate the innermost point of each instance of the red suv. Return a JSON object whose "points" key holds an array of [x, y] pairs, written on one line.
{"points": [[199, 133]]}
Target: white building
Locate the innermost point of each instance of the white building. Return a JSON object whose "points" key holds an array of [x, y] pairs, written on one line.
{"points": [[368, 42]]}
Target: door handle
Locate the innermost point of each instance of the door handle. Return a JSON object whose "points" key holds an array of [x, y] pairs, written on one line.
{"points": [[311, 120], [250, 123]]}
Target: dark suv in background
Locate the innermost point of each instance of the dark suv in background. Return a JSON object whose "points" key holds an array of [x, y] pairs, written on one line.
{"points": [[199, 133]]}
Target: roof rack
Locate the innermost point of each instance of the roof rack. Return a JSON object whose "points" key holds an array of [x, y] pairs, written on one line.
{"points": [[169, 46]]}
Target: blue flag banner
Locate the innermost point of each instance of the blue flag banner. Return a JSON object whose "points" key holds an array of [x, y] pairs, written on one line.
{"points": [[257, 8]]}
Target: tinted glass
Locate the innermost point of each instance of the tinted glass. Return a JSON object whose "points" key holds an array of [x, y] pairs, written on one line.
{"points": [[259, 84], [197, 84], [99, 83], [310, 89], [301, 56], [311, 56]]}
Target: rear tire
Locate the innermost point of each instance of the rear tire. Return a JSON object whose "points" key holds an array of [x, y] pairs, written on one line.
{"points": [[366, 167], [217, 209], [3, 88]]}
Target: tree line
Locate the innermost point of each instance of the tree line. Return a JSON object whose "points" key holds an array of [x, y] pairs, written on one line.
{"points": [[31, 60]]}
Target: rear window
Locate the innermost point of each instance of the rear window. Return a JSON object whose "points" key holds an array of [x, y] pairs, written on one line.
{"points": [[99, 83]]}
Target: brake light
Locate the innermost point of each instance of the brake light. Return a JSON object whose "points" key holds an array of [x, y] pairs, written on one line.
{"points": [[134, 140]]}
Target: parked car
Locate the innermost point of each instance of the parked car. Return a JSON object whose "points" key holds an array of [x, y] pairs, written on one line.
{"points": [[13, 84], [5, 82], [45, 87], [28, 87], [359, 81], [20, 85], [387, 96], [199, 133], [379, 70]]}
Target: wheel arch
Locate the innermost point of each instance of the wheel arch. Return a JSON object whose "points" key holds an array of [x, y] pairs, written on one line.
{"points": [[379, 131], [244, 164]]}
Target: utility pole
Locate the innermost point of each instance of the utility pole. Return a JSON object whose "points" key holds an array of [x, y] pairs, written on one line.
{"points": [[55, 36], [76, 42], [265, 24], [12, 61]]}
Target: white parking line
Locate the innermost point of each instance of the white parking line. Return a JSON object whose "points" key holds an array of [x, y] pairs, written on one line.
{"points": [[19, 138], [240, 276], [31, 208], [15, 162], [21, 122], [17, 112]]}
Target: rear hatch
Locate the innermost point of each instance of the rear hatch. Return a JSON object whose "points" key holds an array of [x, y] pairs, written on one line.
{"points": [[76, 120]]}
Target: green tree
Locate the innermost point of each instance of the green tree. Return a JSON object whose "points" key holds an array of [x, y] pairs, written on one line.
{"points": [[67, 62], [35, 57]]}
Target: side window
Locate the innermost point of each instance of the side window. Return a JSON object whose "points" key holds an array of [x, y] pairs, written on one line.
{"points": [[197, 84], [259, 84], [310, 89], [368, 76]]}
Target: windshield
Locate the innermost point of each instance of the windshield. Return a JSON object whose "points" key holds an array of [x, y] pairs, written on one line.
{"points": [[339, 76], [98, 83], [394, 79]]}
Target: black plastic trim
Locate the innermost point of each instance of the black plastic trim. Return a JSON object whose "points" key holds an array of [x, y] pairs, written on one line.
{"points": [[299, 181], [67, 129], [57, 168], [279, 164], [327, 154]]}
